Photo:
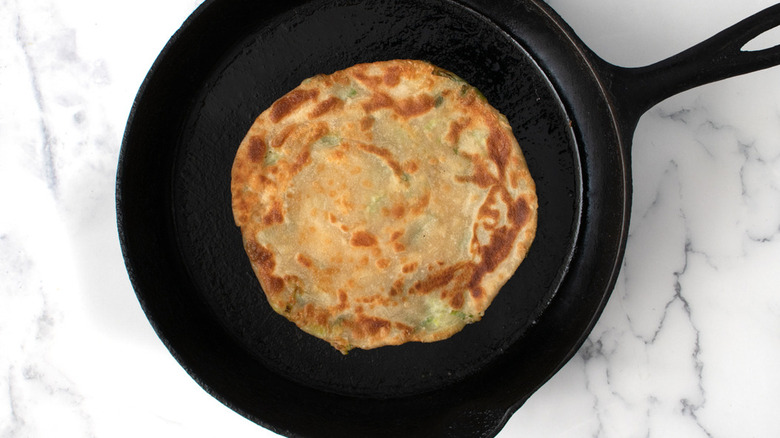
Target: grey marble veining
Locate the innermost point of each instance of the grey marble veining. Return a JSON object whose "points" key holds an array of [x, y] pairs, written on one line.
{"points": [[687, 346]]}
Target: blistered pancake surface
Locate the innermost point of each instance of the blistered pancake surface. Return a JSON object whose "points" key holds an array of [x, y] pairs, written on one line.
{"points": [[382, 204]]}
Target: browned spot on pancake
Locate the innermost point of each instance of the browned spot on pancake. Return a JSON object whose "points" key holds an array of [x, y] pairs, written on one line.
{"points": [[409, 267], [362, 238], [372, 325], [456, 127], [382, 263], [262, 181], [517, 211], [408, 107], [340, 77], [386, 155], [301, 160], [303, 260], [392, 76], [290, 102], [342, 201], [378, 101], [257, 148], [325, 106], [436, 280], [366, 123], [396, 235], [316, 131], [274, 284], [397, 211], [466, 96], [275, 215], [312, 313], [502, 241], [411, 166], [514, 179], [399, 247], [282, 135], [260, 256], [398, 287], [486, 210], [263, 260], [328, 80], [421, 204], [344, 228], [405, 329], [343, 300], [456, 301], [481, 176], [375, 300], [499, 147], [370, 81], [332, 218], [415, 105]]}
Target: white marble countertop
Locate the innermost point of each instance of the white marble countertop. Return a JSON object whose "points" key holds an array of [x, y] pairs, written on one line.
{"points": [[688, 345]]}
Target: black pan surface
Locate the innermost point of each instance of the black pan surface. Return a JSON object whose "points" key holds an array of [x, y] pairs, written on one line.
{"points": [[250, 77], [230, 61]]}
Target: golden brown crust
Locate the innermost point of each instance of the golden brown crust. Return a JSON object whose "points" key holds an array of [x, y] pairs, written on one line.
{"points": [[383, 204]]}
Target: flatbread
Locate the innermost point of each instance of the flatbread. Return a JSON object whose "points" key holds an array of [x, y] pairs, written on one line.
{"points": [[383, 204]]}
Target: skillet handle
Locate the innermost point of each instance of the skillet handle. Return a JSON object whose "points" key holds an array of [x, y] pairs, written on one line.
{"points": [[636, 90]]}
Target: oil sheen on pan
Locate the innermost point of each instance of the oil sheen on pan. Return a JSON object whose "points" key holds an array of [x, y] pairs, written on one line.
{"points": [[382, 204]]}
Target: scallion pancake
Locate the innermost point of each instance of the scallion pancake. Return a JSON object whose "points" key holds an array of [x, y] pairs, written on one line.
{"points": [[383, 204]]}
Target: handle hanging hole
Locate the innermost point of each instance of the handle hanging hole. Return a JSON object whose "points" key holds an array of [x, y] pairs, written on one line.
{"points": [[766, 40]]}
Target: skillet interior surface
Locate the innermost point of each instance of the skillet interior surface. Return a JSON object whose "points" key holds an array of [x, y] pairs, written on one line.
{"points": [[184, 254], [274, 58]]}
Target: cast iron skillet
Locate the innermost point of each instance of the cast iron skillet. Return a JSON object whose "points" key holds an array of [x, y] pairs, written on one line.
{"points": [[573, 114]]}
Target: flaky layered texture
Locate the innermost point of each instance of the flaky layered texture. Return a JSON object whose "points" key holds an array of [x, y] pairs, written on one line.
{"points": [[383, 204]]}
